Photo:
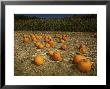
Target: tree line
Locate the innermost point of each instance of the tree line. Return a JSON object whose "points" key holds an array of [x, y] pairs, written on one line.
{"points": [[76, 23]]}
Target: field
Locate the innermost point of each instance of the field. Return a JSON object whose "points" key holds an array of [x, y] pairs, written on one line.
{"points": [[24, 54]]}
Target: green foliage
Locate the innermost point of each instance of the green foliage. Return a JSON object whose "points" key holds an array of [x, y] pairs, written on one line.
{"points": [[76, 23]]}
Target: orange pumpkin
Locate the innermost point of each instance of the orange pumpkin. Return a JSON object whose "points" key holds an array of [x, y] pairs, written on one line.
{"points": [[85, 65], [82, 50], [62, 41], [56, 56], [47, 40], [25, 40], [64, 47], [50, 52], [39, 60], [37, 37], [64, 37], [57, 35], [78, 58], [40, 46], [51, 43], [33, 38]]}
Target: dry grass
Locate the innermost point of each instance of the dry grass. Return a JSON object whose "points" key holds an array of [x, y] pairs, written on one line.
{"points": [[24, 64]]}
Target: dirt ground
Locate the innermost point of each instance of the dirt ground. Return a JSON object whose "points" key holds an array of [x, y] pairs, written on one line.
{"points": [[23, 57]]}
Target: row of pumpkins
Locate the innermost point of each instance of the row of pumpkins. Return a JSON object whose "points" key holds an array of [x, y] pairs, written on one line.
{"points": [[84, 64], [43, 40]]}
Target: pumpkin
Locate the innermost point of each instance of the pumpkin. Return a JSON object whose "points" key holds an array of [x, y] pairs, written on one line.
{"points": [[38, 60], [85, 65], [77, 58], [40, 46], [37, 37], [56, 56], [50, 52], [62, 41], [57, 35], [64, 37], [50, 38], [64, 47], [33, 38], [82, 50], [47, 40], [25, 40], [51, 43], [32, 35], [60, 37]]}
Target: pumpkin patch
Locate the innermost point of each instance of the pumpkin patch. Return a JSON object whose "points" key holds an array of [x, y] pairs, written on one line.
{"points": [[55, 46]]}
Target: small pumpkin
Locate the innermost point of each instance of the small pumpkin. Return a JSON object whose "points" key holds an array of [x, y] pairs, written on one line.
{"points": [[40, 46], [38, 60], [63, 47], [56, 56], [64, 37], [57, 35], [33, 37], [25, 40], [50, 52], [77, 58], [47, 40], [82, 50], [85, 65], [62, 41], [51, 43], [37, 37]]}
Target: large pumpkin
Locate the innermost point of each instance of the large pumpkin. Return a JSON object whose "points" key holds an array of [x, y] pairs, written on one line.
{"points": [[38, 60], [77, 58], [56, 56], [85, 65]]}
